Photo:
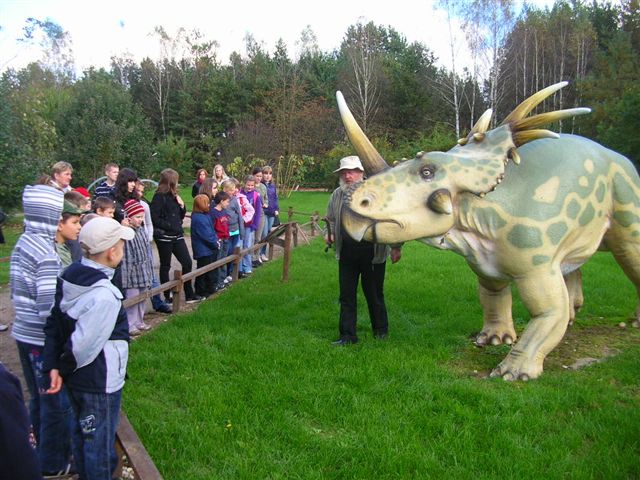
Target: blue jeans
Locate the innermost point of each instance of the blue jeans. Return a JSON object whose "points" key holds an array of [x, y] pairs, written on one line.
{"points": [[248, 241], [268, 225], [234, 241], [222, 271], [156, 300], [51, 415], [94, 433]]}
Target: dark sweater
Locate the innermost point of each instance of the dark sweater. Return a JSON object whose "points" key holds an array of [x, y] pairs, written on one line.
{"points": [[166, 215], [18, 460]]}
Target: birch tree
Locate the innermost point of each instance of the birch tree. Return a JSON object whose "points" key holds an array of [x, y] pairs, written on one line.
{"points": [[361, 48]]}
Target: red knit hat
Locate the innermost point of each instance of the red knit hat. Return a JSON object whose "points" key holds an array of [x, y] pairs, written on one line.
{"points": [[133, 207], [85, 193]]}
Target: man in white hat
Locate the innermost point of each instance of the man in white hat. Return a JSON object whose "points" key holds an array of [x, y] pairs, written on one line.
{"points": [[357, 260]]}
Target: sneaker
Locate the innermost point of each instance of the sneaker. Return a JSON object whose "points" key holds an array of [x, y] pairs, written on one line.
{"points": [[66, 472], [195, 299], [264, 258], [132, 333], [144, 326], [256, 264], [164, 308], [3, 327], [229, 279]]}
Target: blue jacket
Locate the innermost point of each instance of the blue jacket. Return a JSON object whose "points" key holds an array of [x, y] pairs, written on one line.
{"points": [[272, 200], [204, 241], [87, 333]]}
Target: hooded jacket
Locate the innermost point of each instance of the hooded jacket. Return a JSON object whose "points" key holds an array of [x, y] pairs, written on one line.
{"points": [[35, 264], [87, 333]]}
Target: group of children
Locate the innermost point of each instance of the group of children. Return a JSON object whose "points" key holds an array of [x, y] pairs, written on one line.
{"points": [[70, 271], [233, 216]]}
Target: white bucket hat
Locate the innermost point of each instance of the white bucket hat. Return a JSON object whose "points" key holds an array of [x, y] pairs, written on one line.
{"points": [[102, 233], [350, 163]]}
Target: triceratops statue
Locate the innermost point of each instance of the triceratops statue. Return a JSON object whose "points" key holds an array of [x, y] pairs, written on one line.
{"points": [[521, 205]]}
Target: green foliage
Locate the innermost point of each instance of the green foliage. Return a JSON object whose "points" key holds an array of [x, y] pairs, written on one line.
{"points": [[175, 153], [621, 133], [28, 137], [99, 125], [251, 388], [240, 168], [290, 173]]}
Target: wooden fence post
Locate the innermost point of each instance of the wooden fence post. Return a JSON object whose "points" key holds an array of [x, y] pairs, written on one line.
{"points": [[290, 214], [315, 223], [177, 297], [236, 264], [287, 252]]}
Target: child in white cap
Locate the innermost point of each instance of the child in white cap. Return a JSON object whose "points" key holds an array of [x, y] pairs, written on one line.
{"points": [[87, 345]]}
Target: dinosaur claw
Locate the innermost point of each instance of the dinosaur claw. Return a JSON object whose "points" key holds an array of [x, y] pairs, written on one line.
{"points": [[507, 340], [523, 377], [495, 340]]}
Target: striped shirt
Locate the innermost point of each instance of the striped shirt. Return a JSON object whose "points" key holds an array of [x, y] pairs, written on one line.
{"points": [[35, 264], [104, 190]]}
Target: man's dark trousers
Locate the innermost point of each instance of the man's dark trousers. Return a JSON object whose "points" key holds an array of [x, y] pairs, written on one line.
{"points": [[355, 263]]}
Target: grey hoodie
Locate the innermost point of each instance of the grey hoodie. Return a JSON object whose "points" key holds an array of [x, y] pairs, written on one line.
{"points": [[34, 263]]}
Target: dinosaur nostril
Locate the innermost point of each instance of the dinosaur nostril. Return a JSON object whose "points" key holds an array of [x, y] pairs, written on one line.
{"points": [[364, 203]]}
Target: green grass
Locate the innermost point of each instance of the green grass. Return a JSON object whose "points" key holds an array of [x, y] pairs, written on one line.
{"points": [[248, 385], [11, 233]]}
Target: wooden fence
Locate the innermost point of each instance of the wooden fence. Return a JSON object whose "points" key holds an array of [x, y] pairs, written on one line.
{"points": [[127, 441]]}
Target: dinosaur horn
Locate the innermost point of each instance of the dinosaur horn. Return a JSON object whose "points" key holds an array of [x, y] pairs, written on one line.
{"points": [[546, 118], [532, 102], [371, 160], [482, 125], [526, 136]]}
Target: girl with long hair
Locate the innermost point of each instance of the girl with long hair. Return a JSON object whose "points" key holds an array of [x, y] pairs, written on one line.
{"points": [[167, 212]]}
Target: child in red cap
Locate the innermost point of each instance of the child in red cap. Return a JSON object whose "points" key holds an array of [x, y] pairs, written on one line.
{"points": [[136, 266]]}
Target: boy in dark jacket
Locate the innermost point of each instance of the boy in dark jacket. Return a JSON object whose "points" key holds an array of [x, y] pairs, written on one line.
{"points": [[87, 345], [205, 245]]}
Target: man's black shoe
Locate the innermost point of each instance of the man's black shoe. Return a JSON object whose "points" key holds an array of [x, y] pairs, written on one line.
{"points": [[164, 308], [343, 341], [380, 336]]}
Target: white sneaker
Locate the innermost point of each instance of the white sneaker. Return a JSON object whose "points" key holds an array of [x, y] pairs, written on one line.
{"points": [[229, 279], [264, 258]]}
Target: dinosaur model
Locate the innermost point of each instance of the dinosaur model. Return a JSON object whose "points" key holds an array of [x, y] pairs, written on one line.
{"points": [[521, 205]]}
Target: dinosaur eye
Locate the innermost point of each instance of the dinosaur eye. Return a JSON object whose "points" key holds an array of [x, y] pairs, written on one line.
{"points": [[427, 172]]}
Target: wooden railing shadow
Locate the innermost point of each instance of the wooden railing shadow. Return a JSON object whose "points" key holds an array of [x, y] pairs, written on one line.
{"points": [[284, 236]]}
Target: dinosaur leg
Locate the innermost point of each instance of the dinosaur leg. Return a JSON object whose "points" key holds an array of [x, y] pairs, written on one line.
{"points": [[573, 281], [497, 327], [545, 296], [627, 254]]}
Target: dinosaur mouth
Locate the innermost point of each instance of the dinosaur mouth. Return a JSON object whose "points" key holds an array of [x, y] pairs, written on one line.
{"points": [[360, 227]]}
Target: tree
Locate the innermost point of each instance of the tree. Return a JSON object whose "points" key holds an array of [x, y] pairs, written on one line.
{"points": [[101, 124], [362, 50]]}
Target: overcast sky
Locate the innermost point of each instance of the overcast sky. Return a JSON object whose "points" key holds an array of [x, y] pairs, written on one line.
{"points": [[101, 29]]}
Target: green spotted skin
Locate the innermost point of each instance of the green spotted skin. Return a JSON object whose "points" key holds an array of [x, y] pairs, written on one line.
{"points": [[533, 224]]}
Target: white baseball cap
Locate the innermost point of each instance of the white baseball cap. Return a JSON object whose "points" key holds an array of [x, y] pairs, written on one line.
{"points": [[102, 233], [350, 163]]}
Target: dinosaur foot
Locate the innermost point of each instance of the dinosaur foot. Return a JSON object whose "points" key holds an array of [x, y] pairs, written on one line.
{"points": [[494, 337], [517, 368]]}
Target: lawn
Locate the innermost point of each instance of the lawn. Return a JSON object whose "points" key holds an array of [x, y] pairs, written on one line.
{"points": [[248, 386]]}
